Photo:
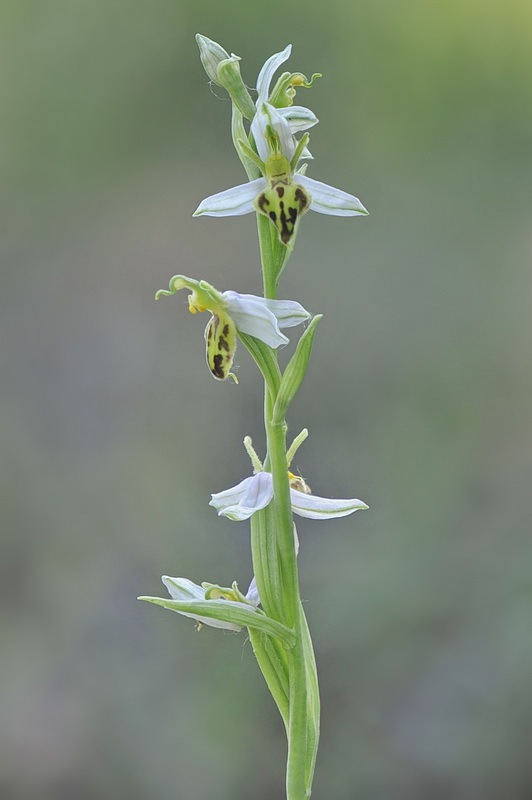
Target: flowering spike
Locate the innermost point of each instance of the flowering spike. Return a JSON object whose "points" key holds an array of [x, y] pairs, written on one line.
{"points": [[271, 149]]}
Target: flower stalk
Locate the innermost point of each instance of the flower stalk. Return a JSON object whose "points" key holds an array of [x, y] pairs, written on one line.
{"points": [[282, 567], [270, 149]]}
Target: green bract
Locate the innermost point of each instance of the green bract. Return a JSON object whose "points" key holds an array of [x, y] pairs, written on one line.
{"points": [[295, 371]]}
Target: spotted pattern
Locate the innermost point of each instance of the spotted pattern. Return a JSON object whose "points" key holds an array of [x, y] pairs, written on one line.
{"points": [[220, 338], [283, 203]]}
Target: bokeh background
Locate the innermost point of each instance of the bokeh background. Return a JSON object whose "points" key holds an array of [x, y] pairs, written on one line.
{"points": [[418, 400]]}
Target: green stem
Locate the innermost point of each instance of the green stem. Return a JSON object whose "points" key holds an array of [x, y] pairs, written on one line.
{"points": [[286, 567], [264, 555], [275, 566], [273, 254]]}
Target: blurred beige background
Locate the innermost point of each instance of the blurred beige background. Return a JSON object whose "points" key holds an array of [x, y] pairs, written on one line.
{"points": [[418, 400]]}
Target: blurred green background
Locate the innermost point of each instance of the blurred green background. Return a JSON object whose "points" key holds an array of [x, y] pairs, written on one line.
{"points": [[418, 400]]}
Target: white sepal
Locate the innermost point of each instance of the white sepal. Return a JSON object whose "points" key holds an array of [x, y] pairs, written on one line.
{"points": [[313, 507], [267, 72], [262, 318], [232, 202], [287, 312], [252, 316], [328, 200], [259, 316]]}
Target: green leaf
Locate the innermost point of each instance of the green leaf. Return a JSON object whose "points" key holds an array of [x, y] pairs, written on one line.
{"points": [[229, 612], [313, 699]]}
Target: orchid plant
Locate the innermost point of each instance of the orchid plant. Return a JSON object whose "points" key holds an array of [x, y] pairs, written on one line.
{"points": [[271, 139]]}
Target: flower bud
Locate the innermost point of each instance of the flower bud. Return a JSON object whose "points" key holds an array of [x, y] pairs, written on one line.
{"points": [[211, 54], [224, 70]]}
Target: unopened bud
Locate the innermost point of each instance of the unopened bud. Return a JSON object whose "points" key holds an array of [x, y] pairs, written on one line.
{"points": [[211, 54], [224, 70]]}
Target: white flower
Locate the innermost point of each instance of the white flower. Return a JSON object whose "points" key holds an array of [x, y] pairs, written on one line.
{"points": [[256, 492], [232, 312], [185, 591], [282, 194]]}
